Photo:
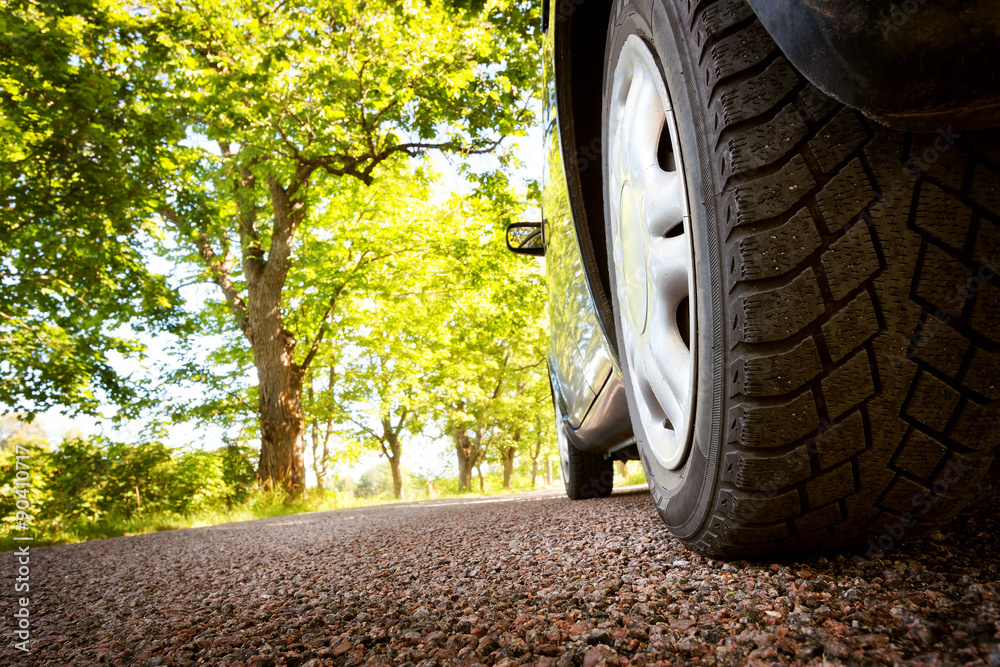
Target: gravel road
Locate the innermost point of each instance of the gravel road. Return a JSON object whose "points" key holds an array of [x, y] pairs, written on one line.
{"points": [[522, 579]]}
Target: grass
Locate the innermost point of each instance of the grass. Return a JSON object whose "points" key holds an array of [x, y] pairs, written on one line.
{"points": [[262, 504]]}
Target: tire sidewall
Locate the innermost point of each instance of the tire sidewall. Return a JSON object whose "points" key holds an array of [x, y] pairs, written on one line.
{"points": [[683, 496]]}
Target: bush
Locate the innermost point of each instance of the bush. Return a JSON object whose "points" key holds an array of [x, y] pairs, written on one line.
{"points": [[377, 481], [86, 481]]}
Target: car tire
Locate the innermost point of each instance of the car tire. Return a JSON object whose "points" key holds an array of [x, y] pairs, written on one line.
{"points": [[843, 309], [585, 474]]}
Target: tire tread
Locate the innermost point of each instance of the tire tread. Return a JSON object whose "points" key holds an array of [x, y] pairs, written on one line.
{"points": [[865, 358]]}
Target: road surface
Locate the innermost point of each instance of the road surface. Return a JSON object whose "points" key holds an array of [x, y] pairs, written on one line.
{"points": [[533, 578]]}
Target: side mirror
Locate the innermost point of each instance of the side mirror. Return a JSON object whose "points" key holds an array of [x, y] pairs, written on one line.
{"points": [[526, 238]]}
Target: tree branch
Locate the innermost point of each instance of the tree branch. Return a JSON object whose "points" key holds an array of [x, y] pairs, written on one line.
{"points": [[220, 268], [314, 348], [363, 260], [402, 418]]}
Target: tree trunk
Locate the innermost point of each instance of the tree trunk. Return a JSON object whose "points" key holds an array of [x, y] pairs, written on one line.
{"points": [[279, 383], [482, 482], [464, 474], [470, 453], [321, 456], [507, 459], [279, 378], [315, 452], [463, 449], [398, 490], [314, 432], [535, 454], [621, 468], [394, 452], [324, 469], [548, 471]]}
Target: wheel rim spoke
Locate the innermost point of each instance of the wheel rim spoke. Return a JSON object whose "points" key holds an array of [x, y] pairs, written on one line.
{"points": [[666, 397], [664, 200], [669, 265], [671, 354], [644, 118]]}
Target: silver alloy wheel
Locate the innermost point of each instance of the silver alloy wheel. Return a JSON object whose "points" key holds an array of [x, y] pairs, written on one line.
{"points": [[653, 257]]}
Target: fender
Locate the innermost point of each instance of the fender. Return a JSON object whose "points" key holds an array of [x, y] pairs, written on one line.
{"points": [[915, 65]]}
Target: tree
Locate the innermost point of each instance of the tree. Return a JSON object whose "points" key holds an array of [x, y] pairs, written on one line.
{"points": [[513, 424], [544, 443], [295, 96], [470, 450], [235, 123], [395, 342], [521, 423], [492, 381], [508, 451], [14, 430], [320, 411], [83, 153], [378, 480]]}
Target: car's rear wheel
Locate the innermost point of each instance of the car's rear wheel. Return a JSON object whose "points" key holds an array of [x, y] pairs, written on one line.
{"points": [[585, 474], [806, 302]]}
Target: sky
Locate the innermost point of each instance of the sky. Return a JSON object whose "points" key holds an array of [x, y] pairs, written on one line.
{"points": [[422, 455]]}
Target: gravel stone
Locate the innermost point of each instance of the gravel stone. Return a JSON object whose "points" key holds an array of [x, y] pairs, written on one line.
{"points": [[529, 579]]}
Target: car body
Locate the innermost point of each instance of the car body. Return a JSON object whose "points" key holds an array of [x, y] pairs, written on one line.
{"points": [[923, 83], [898, 65]]}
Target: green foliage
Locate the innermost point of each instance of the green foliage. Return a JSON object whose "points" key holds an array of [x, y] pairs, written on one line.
{"points": [[233, 125], [15, 431], [238, 471], [90, 481], [84, 135], [377, 481], [447, 332], [344, 485], [342, 85], [635, 475], [76, 472], [211, 117], [293, 97], [493, 383]]}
